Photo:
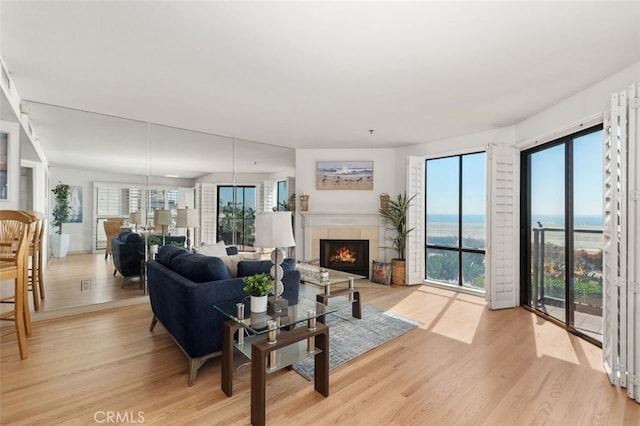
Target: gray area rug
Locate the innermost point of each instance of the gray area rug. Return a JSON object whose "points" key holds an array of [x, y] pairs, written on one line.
{"points": [[350, 337]]}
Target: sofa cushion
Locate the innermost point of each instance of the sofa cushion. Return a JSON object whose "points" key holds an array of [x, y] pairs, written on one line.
{"points": [[200, 268], [167, 253], [232, 250], [252, 267]]}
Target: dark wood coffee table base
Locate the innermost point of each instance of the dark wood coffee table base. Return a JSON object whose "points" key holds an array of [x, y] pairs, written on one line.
{"points": [[260, 352], [356, 307]]}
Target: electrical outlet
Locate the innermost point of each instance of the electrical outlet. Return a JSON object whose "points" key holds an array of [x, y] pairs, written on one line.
{"points": [[85, 285]]}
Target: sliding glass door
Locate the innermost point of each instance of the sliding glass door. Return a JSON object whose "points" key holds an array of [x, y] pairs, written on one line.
{"points": [[237, 215], [562, 231]]}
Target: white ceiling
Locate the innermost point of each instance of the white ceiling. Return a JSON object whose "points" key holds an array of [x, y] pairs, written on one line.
{"points": [[316, 74]]}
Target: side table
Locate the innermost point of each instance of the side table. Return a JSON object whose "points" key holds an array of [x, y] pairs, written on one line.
{"points": [[274, 347]]}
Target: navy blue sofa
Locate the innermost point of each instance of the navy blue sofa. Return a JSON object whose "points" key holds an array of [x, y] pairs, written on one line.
{"points": [[184, 287]]}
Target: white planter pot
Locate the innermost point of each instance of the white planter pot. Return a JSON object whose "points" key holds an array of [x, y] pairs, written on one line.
{"points": [[153, 248], [59, 244], [259, 304]]}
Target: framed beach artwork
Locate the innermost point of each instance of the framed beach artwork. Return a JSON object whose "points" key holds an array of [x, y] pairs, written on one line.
{"points": [[344, 175], [75, 204]]}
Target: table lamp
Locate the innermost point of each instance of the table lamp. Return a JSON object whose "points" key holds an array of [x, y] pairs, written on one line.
{"points": [[162, 217], [274, 230], [187, 218], [135, 218]]}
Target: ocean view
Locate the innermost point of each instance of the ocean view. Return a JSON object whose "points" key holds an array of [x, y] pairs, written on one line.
{"points": [[440, 226], [546, 220]]}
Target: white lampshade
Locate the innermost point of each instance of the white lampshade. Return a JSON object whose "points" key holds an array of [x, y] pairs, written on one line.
{"points": [[162, 217], [187, 218], [135, 218], [273, 230]]}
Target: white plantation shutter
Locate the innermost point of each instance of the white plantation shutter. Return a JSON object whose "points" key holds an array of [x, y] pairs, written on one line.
{"points": [[207, 205], [633, 286], [415, 262], [621, 252], [265, 194], [501, 261]]}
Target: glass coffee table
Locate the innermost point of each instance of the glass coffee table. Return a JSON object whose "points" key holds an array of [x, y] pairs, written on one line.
{"points": [[328, 278], [272, 343]]}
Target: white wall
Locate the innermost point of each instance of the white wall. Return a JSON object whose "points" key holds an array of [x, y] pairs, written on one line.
{"points": [[591, 101], [344, 200], [560, 118], [452, 146]]}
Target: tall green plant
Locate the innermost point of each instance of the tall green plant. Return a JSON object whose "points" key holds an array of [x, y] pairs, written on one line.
{"points": [[62, 208], [396, 217]]}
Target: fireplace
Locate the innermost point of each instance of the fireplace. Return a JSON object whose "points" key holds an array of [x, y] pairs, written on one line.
{"points": [[345, 255]]}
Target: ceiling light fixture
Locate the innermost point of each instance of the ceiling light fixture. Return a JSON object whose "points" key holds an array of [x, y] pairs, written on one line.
{"points": [[371, 131]]}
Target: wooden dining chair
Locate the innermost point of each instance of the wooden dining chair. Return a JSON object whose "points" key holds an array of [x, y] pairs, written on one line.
{"points": [[111, 230], [36, 271], [15, 229]]}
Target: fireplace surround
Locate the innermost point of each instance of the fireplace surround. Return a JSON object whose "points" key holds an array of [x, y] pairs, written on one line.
{"points": [[333, 225]]}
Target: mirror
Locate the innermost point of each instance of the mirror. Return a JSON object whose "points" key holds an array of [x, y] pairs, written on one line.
{"points": [[118, 166]]}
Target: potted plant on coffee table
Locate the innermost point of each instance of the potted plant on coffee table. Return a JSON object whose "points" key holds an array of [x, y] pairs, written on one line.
{"points": [[395, 214], [258, 287], [61, 211]]}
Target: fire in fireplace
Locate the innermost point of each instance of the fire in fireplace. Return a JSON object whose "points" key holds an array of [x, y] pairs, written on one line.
{"points": [[345, 255]]}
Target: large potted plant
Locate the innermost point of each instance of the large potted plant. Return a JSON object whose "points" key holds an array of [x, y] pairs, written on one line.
{"points": [[258, 287], [61, 211], [395, 214]]}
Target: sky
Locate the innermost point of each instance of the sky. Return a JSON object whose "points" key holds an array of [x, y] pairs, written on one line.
{"points": [[547, 185], [443, 183], [547, 171]]}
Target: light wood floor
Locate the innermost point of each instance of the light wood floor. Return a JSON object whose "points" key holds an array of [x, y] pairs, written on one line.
{"points": [[63, 277], [465, 365]]}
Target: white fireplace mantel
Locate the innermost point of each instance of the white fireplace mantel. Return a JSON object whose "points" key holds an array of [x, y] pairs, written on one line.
{"points": [[334, 219]]}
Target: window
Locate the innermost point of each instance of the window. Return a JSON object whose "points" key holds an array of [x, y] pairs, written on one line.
{"points": [[283, 204], [455, 220], [237, 215], [114, 201], [118, 200]]}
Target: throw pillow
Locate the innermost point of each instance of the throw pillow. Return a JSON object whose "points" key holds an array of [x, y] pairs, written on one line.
{"points": [[218, 250], [381, 273], [233, 259], [200, 268]]}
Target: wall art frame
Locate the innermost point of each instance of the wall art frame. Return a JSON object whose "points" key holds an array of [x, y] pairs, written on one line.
{"points": [[344, 175]]}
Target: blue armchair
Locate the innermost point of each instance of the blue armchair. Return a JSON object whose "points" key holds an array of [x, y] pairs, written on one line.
{"points": [[127, 251]]}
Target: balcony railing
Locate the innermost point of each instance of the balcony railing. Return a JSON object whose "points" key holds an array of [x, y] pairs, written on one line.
{"points": [[548, 267]]}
